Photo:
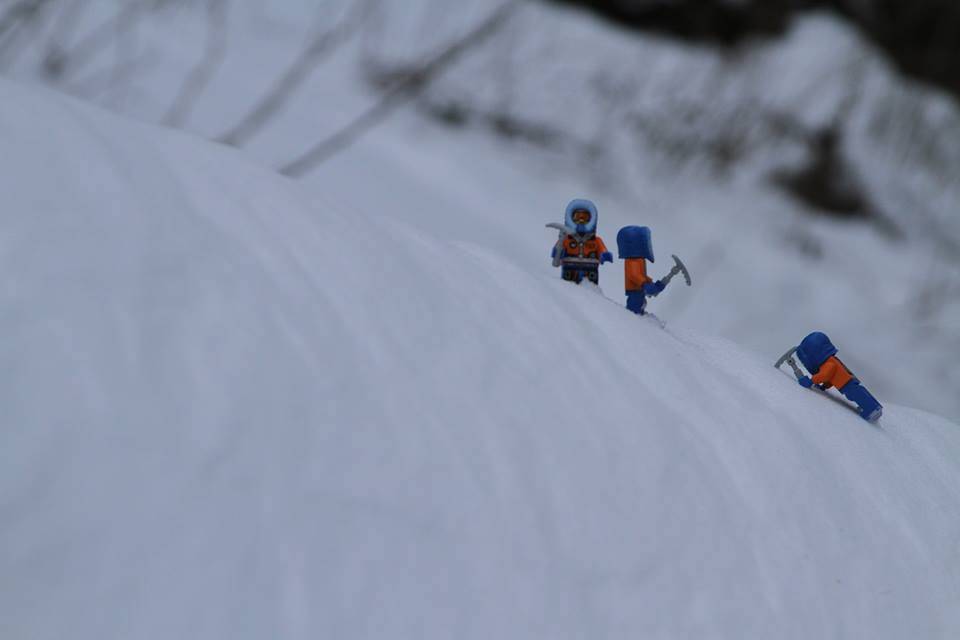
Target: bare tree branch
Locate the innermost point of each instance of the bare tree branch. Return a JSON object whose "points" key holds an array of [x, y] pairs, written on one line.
{"points": [[54, 62], [214, 53], [124, 50], [405, 88], [103, 82], [277, 97], [12, 22], [103, 36], [18, 13]]}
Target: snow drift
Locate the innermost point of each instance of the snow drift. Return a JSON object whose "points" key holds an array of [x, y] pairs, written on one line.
{"points": [[690, 140], [230, 411]]}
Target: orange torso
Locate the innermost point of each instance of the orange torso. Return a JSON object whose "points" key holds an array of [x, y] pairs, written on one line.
{"points": [[635, 274], [833, 373], [592, 248]]}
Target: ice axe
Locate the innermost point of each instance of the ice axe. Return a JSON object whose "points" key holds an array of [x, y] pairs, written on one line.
{"points": [[678, 267], [558, 248], [788, 359]]}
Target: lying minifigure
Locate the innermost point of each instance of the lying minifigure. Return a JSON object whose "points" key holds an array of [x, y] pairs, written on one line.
{"points": [[819, 356]]}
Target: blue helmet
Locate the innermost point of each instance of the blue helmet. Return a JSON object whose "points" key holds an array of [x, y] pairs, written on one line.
{"points": [[814, 351], [635, 242], [582, 205]]}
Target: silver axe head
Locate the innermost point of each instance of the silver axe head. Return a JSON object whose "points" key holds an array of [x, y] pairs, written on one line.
{"points": [[678, 267], [558, 248], [788, 359], [562, 228]]}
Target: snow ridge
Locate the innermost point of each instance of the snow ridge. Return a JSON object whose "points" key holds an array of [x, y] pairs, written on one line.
{"points": [[233, 411]]}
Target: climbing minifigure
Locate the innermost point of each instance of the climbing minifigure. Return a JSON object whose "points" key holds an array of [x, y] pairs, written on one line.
{"points": [[819, 356], [579, 251], [635, 247]]}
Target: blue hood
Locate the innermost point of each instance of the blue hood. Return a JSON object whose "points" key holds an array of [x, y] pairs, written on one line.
{"points": [[635, 242], [586, 205], [814, 351]]}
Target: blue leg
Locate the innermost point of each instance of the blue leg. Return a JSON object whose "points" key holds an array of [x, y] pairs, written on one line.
{"points": [[870, 409], [636, 302]]}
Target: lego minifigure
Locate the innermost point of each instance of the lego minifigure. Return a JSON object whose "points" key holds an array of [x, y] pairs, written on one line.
{"points": [[579, 251], [819, 356], [635, 247]]}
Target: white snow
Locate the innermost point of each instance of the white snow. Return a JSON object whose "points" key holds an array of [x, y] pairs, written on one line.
{"points": [[636, 118], [234, 410]]}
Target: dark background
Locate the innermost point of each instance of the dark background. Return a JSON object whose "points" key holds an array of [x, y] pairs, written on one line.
{"points": [[922, 37]]}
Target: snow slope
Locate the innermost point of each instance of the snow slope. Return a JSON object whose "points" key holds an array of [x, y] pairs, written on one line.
{"points": [[231, 411], [682, 138]]}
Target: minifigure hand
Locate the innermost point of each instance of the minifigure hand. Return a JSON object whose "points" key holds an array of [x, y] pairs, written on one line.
{"points": [[805, 382], [606, 257], [653, 288]]}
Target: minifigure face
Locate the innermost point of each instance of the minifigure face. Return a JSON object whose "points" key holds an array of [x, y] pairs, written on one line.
{"points": [[581, 216]]}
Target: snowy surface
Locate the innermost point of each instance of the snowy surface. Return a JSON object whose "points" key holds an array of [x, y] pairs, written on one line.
{"points": [[638, 124], [235, 409]]}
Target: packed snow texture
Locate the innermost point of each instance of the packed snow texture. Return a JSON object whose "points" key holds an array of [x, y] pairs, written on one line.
{"points": [[683, 139], [232, 410]]}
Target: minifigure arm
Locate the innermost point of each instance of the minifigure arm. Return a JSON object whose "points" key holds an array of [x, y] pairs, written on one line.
{"points": [[654, 288], [605, 256], [825, 375]]}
